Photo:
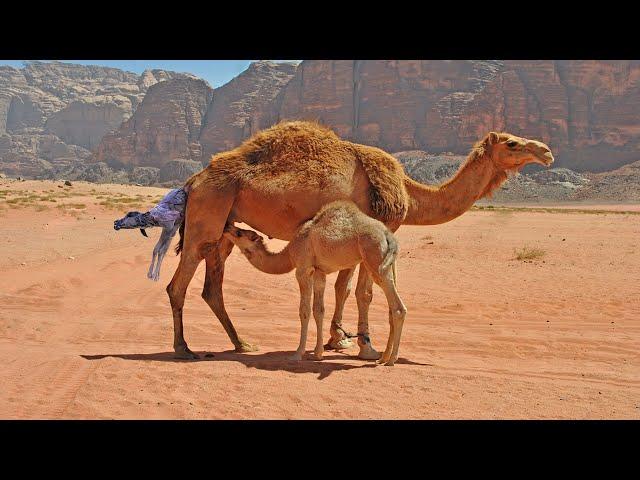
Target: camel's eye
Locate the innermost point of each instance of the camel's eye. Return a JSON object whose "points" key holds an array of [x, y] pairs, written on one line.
{"points": [[512, 143]]}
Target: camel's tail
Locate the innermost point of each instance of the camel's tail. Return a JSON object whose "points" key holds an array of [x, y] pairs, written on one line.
{"points": [[186, 188], [181, 232], [390, 256]]}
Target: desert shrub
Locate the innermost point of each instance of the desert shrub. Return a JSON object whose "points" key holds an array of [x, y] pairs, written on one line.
{"points": [[529, 253]]}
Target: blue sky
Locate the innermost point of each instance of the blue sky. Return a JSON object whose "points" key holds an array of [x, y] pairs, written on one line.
{"points": [[216, 72]]}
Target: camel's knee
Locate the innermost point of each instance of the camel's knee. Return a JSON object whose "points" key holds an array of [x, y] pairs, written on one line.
{"points": [[318, 311], [398, 314]]}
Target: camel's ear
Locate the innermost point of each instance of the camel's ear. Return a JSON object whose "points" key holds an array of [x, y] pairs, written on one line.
{"points": [[492, 138]]}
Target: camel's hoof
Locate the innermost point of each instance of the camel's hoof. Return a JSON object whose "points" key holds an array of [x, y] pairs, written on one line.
{"points": [[296, 357], [341, 344], [245, 347], [367, 352], [185, 354], [318, 356]]}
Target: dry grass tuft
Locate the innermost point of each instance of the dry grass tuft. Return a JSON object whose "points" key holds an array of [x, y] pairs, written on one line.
{"points": [[529, 253]]}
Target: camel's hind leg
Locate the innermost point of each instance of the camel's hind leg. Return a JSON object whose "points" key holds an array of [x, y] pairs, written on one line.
{"points": [[207, 211], [397, 314], [364, 295], [215, 257], [177, 290], [339, 340]]}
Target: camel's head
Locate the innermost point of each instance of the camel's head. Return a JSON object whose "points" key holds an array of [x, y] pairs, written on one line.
{"points": [[510, 152], [135, 220], [247, 240]]}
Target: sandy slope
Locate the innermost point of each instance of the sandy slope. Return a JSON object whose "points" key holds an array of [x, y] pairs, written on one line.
{"points": [[486, 336]]}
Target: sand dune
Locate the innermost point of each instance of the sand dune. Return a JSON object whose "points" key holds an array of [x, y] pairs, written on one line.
{"points": [[84, 333]]}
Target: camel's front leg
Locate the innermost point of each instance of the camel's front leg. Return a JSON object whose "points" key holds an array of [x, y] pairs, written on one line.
{"points": [[215, 258], [319, 281], [364, 295], [177, 290], [397, 314], [339, 339]]}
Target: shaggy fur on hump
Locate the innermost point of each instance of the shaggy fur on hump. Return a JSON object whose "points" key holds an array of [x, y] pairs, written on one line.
{"points": [[290, 153]]}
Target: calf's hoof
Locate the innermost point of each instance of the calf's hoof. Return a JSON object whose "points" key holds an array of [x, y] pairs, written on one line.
{"points": [[341, 344], [245, 347]]}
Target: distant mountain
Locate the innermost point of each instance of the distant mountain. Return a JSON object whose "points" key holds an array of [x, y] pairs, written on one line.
{"points": [[59, 119], [53, 114]]}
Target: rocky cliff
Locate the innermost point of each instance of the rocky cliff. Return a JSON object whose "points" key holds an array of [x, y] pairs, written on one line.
{"points": [[587, 111], [53, 114], [159, 124], [166, 126], [244, 105]]}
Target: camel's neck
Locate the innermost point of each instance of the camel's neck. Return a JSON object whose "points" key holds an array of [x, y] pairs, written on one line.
{"points": [[431, 205], [269, 262]]}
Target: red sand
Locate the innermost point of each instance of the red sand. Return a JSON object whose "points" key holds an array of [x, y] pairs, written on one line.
{"points": [[486, 336]]}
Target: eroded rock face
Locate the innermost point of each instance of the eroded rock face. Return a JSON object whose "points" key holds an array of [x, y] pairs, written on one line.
{"points": [[179, 170], [66, 105], [587, 111], [84, 122], [165, 126], [243, 106]]}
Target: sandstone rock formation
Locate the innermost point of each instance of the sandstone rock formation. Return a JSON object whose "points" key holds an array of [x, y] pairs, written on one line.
{"points": [[52, 113], [165, 126], [178, 170], [57, 117], [186, 119], [84, 122], [244, 105], [587, 111]]}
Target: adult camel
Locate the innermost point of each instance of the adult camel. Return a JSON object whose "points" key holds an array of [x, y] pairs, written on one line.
{"points": [[280, 178]]}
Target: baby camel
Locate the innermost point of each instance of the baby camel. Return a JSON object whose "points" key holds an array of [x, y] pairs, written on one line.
{"points": [[339, 237]]}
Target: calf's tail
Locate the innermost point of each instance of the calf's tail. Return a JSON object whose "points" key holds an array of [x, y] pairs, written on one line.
{"points": [[390, 255]]}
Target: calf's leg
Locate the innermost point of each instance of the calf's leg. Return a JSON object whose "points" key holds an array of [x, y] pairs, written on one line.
{"points": [[305, 282], [319, 280]]}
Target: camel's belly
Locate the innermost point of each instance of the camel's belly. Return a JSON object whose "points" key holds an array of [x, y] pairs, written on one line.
{"points": [[279, 213]]}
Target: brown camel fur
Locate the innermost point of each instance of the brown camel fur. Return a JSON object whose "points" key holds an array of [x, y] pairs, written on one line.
{"points": [[339, 237], [282, 176]]}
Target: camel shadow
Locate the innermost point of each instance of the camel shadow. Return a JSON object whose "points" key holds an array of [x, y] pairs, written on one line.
{"points": [[269, 361]]}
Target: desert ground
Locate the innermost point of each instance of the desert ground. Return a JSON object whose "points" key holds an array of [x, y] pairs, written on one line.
{"points": [[513, 312]]}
